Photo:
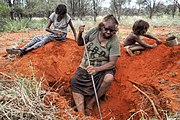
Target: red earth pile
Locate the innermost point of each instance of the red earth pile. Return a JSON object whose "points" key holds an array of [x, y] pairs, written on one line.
{"points": [[155, 71]]}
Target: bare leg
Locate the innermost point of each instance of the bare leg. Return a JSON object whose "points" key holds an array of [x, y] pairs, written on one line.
{"points": [[108, 78], [79, 101], [137, 52], [129, 51], [132, 48], [137, 48]]}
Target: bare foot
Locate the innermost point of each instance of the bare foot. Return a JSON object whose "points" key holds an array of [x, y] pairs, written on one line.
{"points": [[88, 112], [88, 109], [129, 52], [159, 42], [137, 52]]}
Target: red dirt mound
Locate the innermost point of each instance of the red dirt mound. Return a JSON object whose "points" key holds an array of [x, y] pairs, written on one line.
{"points": [[55, 62], [154, 71]]}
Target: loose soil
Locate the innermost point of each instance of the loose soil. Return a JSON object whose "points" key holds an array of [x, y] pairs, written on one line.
{"points": [[155, 71]]}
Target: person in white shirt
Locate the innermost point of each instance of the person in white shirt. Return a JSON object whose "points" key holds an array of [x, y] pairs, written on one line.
{"points": [[60, 20]]}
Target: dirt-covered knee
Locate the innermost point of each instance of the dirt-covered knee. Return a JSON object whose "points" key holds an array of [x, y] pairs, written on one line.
{"points": [[108, 78]]}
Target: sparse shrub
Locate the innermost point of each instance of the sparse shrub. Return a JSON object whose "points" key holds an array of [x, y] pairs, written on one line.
{"points": [[24, 25], [4, 16], [38, 23], [164, 20], [19, 25], [21, 99]]}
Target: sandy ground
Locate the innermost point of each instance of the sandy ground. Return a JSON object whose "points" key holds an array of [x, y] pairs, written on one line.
{"points": [[9, 40], [155, 71]]}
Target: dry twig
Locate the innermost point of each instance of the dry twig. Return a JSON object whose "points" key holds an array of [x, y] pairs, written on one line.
{"points": [[152, 102], [140, 111], [5, 75]]}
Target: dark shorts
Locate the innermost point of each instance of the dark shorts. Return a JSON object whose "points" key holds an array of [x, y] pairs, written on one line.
{"points": [[81, 82]]}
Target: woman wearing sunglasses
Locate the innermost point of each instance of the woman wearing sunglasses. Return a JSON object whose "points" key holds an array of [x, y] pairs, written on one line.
{"points": [[103, 49]]}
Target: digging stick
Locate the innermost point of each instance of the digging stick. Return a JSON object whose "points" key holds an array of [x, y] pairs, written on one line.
{"points": [[92, 77]]}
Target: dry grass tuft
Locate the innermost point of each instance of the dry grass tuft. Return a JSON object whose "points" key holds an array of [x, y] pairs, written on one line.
{"points": [[21, 98]]}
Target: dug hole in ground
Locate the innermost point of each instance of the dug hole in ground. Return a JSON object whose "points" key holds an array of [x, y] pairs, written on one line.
{"points": [[156, 72]]}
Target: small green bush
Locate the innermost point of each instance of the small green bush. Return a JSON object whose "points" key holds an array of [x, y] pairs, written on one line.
{"points": [[17, 25], [164, 20], [4, 10], [4, 13], [24, 25], [38, 24]]}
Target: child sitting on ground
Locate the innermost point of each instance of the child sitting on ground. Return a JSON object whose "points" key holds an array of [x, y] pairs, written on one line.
{"points": [[133, 42]]}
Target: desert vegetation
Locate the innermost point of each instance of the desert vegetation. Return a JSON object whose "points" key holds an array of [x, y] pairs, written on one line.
{"points": [[36, 86]]}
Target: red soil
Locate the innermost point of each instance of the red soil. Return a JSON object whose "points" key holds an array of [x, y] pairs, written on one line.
{"points": [[156, 72]]}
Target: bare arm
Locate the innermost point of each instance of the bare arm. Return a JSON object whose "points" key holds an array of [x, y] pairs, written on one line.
{"points": [[48, 29], [73, 29], [111, 64], [151, 37], [144, 44], [79, 37]]}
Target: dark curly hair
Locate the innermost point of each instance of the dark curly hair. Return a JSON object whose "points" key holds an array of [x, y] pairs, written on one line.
{"points": [[61, 9], [139, 27], [106, 18]]}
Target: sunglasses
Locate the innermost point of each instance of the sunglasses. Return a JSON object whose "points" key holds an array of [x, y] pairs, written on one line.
{"points": [[109, 29]]}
